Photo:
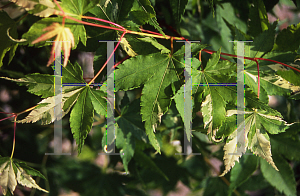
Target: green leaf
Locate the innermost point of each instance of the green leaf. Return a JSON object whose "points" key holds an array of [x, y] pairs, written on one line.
{"points": [[45, 109], [6, 44], [288, 39], [227, 10], [155, 44], [130, 128], [77, 7], [29, 170], [156, 72], [242, 171], [283, 180], [38, 84], [216, 97], [25, 179], [145, 5], [43, 84], [286, 146], [117, 10], [258, 18], [269, 85], [145, 161], [126, 142], [178, 8], [236, 33], [81, 117], [251, 101], [262, 44], [291, 76], [98, 100], [215, 187], [72, 73]]}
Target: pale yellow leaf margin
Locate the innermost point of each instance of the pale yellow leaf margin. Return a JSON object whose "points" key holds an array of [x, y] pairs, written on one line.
{"points": [[8, 178], [260, 145]]}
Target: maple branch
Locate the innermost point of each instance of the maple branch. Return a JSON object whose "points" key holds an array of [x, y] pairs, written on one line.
{"points": [[252, 58], [119, 29], [6, 118], [121, 61], [27, 110], [256, 61], [172, 49], [22, 17], [102, 20], [152, 32], [279, 63]]}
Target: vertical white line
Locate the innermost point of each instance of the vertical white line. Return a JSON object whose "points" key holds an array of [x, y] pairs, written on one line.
{"points": [[57, 140], [110, 98], [188, 107], [240, 99]]}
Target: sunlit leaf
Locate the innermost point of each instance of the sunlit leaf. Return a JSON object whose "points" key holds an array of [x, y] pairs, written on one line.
{"points": [[64, 37]]}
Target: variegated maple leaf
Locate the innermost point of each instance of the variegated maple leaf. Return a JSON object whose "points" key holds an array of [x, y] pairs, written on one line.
{"points": [[9, 179], [64, 37], [257, 124]]}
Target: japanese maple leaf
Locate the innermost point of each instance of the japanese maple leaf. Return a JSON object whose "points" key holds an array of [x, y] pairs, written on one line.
{"points": [[64, 37]]}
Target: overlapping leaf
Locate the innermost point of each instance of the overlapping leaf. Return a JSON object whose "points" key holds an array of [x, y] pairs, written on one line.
{"points": [[215, 97], [38, 84], [257, 124], [284, 179], [288, 39], [72, 8], [36, 30], [130, 128], [242, 171], [258, 18], [64, 40], [82, 98], [145, 7], [157, 74], [178, 7]]}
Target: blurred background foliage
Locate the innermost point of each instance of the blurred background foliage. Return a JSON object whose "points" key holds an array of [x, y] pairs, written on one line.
{"points": [[149, 173]]}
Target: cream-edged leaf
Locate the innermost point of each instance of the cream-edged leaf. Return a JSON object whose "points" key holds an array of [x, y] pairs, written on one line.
{"points": [[7, 177], [126, 46], [206, 109], [45, 110], [231, 153], [260, 145], [64, 40], [26, 180], [207, 112], [257, 124]]}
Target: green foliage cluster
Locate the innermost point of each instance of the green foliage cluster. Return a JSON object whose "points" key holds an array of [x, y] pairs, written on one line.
{"points": [[149, 98]]}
